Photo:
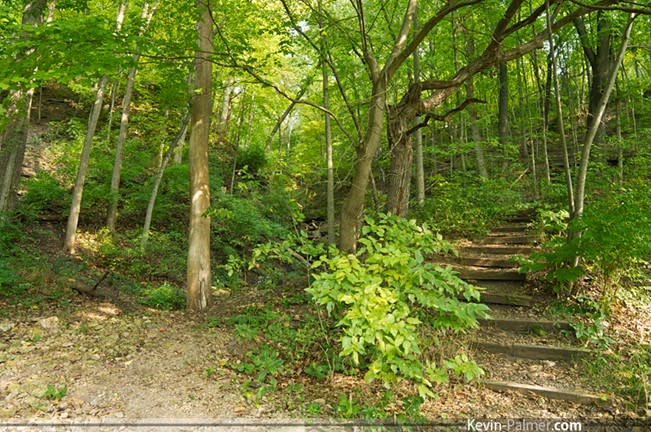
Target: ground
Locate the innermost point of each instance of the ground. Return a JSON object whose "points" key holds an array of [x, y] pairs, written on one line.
{"points": [[105, 356]]}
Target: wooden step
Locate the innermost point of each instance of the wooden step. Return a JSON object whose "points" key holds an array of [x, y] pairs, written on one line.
{"points": [[492, 249], [536, 352], [478, 261], [525, 325], [507, 239], [484, 273], [506, 299], [512, 228], [548, 392]]}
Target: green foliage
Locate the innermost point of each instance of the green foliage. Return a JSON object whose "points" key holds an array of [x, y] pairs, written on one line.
{"points": [[55, 392], [10, 284], [164, 296], [615, 237], [264, 365], [238, 224], [164, 257], [384, 293], [295, 339], [44, 195], [466, 206]]}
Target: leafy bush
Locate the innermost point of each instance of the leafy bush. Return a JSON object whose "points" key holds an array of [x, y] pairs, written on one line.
{"points": [[238, 224], [384, 294], [43, 196], [466, 206], [164, 296], [615, 236]]}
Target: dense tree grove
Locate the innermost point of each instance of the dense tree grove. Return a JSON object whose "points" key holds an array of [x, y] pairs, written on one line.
{"points": [[313, 142]]}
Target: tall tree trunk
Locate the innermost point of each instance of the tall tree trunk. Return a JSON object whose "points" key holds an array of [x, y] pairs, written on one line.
{"points": [[503, 109], [601, 61], [559, 108], [472, 112], [353, 207], [402, 153], [418, 135], [13, 140], [159, 177], [595, 124], [78, 191], [199, 280], [330, 187], [112, 215]]}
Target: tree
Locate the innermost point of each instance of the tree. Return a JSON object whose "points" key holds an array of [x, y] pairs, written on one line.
{"points": [[111, 218], [412, 104], [78, 191], [13, 139], [199, 280]]}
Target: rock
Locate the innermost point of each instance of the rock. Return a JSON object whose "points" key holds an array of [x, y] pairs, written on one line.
{"points": [[5, 326], [49, 325]]}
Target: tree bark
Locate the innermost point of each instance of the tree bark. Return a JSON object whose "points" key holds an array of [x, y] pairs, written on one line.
{"points": [[112, 215], [78, 191], [559, 108], [13, 140], [595, 124], [159, 177], [503, 109], [199, 279], [353, 207]]}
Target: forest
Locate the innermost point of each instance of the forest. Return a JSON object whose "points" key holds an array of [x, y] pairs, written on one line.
{"points": [[381, 213]]}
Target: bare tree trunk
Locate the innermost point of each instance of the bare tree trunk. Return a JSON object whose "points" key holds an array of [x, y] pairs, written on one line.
{"points": [[161, 170], [595, 124], [559, 108], [418, 136], [503, 109], [199, 280], [353, 207], [472, 112], [330, 187], [114, 92], [13, 140], [111, 218], [78, 191]]}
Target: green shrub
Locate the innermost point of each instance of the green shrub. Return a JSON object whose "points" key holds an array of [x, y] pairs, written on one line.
{"points": [[44, 195], [615, 237], [164, 296], [386, 293], [466, 206]]}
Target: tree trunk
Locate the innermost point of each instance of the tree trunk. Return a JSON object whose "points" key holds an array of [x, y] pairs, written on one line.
{"points": [[78, 191], [161, 170], [13, 140], [112, 215], [401, 162], [353, 207], [595, 125], [559, 108], [503, 109], [199, 279], [472, 112], [601, 61]]}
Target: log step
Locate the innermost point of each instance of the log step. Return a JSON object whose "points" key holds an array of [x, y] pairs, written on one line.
{"points": [[526, 325], [511, 228], [536, 352], [478, 261], [548, 392], [493, 249], [507, 239], [506, 299], [483, 273]]}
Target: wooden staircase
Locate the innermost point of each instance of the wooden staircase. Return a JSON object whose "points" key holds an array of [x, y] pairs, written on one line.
{"points": [[520, 350]]}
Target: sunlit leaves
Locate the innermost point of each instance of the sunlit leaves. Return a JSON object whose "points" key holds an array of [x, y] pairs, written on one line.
{"points": [[385, 293]]}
